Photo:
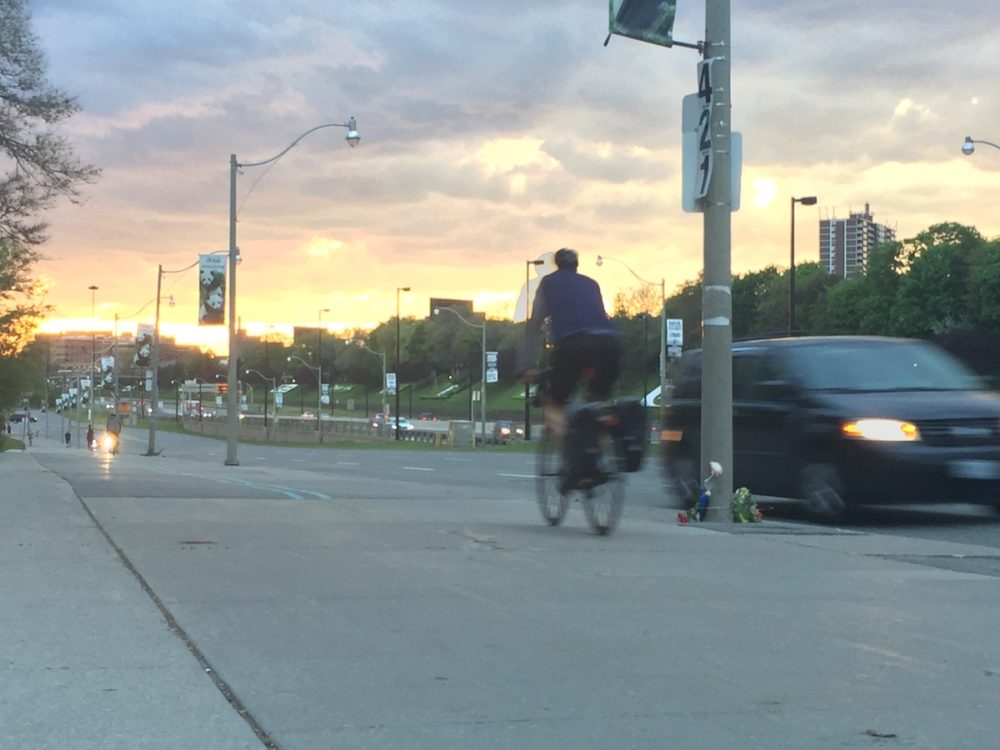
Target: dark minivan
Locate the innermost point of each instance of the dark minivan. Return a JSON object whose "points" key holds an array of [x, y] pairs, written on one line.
{"points": [[843, 420]]}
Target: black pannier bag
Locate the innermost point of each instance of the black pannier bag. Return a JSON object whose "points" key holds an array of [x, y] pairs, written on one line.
{"points": [[580, 448], [630, 433]]}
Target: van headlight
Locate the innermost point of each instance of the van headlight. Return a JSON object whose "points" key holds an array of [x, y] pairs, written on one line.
{"points": [[881, 430]]}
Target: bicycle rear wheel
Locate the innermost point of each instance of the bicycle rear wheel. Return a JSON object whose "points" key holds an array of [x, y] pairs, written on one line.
{"points": [[551, 502], [603, 503]]}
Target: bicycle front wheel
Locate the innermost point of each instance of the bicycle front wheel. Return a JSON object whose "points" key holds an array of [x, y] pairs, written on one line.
{"points": [[551, 502]]}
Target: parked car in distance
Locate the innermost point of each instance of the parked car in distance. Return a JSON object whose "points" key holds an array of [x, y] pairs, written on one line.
{"points": [[380, 420], [427, 416], [843, 420]]}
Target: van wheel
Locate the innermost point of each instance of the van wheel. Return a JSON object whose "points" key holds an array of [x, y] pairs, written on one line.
{"points": [[682, 483], [821, 491]]}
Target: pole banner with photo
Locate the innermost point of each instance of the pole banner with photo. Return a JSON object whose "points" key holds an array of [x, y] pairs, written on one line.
{"points": [[646, 20], [143, 345], [211, 290]]}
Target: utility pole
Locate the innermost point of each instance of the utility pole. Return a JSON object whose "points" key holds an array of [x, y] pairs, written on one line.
{"points": [[717, 302]]}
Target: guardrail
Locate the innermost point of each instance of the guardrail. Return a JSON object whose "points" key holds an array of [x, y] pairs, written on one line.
{"points": [[297, 430]]}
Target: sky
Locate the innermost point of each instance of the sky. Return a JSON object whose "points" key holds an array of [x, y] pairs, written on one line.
{"points": [[492, 133]]}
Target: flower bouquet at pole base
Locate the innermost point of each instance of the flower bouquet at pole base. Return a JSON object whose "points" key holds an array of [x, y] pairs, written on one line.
{"points": [[744, 507]]}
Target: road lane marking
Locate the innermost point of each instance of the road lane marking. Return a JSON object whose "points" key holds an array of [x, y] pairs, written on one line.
{"points": [[516, 476], [348, 463], [416, 468], [292, 493]]}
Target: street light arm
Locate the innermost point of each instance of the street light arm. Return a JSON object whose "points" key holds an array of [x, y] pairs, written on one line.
{"points": [[314, 368], [985, 143], [262, 375], [350, 125], [629, 269], [459, 316]]}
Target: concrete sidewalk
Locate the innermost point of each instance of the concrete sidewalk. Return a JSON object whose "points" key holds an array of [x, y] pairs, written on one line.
{"points": [[87, 660], [458, 621]]}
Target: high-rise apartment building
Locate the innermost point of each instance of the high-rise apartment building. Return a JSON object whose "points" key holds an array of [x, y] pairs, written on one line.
{"points": [[844, 244]]}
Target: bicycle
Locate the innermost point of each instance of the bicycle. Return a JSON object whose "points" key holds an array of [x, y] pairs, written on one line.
{"points": [[602, 442]]}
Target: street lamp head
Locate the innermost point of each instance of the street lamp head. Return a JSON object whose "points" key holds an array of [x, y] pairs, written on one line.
{"points": [[968, 148], [353, 139], [403, 289], [809, 200]]}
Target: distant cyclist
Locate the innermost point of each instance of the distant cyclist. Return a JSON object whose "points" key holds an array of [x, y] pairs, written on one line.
{"points": [[584, 339]]}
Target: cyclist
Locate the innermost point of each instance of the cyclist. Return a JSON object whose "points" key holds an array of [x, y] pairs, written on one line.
{"points": [[584, 339]]}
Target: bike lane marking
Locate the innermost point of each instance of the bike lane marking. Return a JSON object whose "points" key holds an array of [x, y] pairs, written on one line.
{"points": [[291, 493]]}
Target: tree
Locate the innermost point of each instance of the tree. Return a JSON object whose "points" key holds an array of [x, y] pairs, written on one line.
{"points": [[636, 300], [42, 169]]}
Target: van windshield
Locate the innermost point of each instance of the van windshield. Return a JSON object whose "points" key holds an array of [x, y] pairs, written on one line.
{"points": [[880, 366]]}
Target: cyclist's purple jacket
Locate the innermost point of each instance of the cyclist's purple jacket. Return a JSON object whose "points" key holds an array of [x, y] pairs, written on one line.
{"points": [[573, 304]]}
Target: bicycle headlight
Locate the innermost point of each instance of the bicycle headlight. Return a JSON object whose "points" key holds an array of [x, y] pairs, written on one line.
{"points": [[881, 430]]}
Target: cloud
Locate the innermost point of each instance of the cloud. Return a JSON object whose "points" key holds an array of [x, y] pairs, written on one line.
{"points": [[490, 133]]}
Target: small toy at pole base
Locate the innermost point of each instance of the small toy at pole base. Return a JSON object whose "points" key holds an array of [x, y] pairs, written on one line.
{"points": [[699, 511]]}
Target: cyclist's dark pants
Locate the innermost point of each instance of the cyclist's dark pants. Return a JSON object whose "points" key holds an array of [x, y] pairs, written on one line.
{"points": [[597, 353]]}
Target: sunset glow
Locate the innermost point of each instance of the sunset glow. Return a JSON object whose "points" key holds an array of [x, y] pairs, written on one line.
{"points": [[481, 146]]}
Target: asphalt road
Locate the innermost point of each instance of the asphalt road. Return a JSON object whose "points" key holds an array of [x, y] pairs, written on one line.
{"points": [[387, 598], [384, 472]]}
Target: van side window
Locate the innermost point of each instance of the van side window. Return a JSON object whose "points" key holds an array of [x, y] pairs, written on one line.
{"points": [[750, 369], [688, 378]]}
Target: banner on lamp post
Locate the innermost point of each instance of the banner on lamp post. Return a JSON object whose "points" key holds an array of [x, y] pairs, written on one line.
{"points": [[143, 345], [646, 20], [211, 290]]}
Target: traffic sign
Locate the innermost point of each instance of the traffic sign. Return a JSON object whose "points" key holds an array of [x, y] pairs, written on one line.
{"points": [[492, 376], [697, 147], [675, 332], [390, 383]]}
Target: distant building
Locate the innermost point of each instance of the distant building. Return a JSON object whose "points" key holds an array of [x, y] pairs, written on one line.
{"points": [[461, 306], [76, 351], [844, 244]]}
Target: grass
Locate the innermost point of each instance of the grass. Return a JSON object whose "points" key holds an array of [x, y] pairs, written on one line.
{"points": [[10, 444], [504, 400]]}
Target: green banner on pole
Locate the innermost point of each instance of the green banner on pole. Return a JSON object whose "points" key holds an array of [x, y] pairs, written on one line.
{"points": [[646, 20]]}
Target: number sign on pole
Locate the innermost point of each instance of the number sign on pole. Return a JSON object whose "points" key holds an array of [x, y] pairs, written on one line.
{"points": [[704, 129]]}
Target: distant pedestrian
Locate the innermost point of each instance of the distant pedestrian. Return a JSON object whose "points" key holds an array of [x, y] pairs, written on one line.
{"points": [[91, 444], [69, 437]]}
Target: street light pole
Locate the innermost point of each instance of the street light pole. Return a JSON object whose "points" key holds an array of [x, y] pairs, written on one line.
{"points": [[398, 379], [232, 401], [527, 319], [93, 353], [807, 201], [319, 381], [482, 386], [663, 325], [267, 381], [381, 356], [154, 363], [319, 358]]}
